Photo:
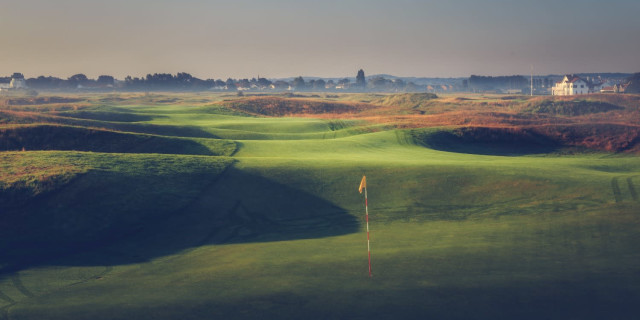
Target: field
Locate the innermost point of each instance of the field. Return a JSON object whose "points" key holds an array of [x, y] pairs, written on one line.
{"points": [[206, 206]]}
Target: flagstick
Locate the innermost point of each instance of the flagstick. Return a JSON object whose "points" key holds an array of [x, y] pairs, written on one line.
{"points": [[366, 209]]}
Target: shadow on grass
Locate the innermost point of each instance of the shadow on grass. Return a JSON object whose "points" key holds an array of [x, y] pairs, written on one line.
{"points": [[115, 116], [117, 123], [583, 299], [53, 137], [487, 141], [99, 219]]}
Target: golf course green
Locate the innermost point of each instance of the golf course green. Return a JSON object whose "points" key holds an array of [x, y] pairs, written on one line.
{"points": [[130, 209]]}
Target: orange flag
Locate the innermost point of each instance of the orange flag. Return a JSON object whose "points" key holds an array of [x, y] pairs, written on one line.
{"points": [[363, 183]]}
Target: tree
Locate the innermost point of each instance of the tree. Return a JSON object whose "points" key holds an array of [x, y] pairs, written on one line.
{"points": [[263, 83], [231, 85], [244, 83], [281, 85], [360, 80], [298, 83], [184, 78], [398, 84], [42, 82], [105, 80], [380, 84], [78, 80], [78, 77], [634, 84], [319, 85]]}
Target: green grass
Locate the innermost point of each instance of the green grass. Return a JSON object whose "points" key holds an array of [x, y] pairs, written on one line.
{"points": [[277, 230], [76, 200]]}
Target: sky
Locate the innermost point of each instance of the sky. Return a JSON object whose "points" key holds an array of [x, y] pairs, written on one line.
{"points": [[328, 38]]}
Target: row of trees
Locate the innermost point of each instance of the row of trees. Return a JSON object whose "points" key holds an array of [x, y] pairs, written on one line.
{"points": [[74, 82], [186, 82], [483, 83]]}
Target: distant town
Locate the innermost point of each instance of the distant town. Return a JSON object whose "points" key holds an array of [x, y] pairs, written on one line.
{"points": [[574, 84]]}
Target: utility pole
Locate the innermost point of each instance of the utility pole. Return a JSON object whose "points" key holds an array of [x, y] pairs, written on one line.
{"points": [[531, 80]]}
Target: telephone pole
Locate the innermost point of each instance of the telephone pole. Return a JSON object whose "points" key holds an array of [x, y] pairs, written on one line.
{"points": [[531, 80]]}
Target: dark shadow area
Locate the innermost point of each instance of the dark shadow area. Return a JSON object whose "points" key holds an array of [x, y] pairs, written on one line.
{"points": [[52, 137], [107, 116], [576, 299], [486, 141], [96, 221], [164, 130], [20, 117]]}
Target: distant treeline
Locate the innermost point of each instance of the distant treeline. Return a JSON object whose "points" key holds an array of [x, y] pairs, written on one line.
{"points": [[484, 83], [186, 82]]}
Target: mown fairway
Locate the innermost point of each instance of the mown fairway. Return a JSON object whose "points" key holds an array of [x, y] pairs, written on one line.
{"points": [[207, 213]]}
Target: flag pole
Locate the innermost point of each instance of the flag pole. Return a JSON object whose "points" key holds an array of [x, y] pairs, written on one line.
{"points": [[363, 185], [366, 209]]}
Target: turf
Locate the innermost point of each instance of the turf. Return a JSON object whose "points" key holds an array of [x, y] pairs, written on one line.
{"points": [[277, 229]]}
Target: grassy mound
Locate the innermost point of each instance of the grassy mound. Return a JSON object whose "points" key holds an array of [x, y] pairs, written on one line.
{"points": [[23, 117], [53, 137], [277, 107], [55, 202], [24, 176], [570, 107], [531, 139], [406, 100], [29, 117], [605, 137]]}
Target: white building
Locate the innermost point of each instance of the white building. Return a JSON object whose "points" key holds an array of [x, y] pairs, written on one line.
{"points": [[18, 83], [571, 85]]}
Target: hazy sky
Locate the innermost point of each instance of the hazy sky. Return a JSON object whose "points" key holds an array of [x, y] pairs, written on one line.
{"points": [[281, 38]]}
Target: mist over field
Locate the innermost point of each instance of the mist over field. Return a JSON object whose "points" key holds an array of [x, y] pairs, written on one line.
{"points": [[361, 159]]}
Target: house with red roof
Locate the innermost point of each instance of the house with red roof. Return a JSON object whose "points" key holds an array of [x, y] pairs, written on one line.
{"points": [[616, 88]]}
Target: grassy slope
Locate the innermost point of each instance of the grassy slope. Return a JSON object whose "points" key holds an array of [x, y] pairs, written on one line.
{"points": [[453, 236], [68, 201], [58, 137]]}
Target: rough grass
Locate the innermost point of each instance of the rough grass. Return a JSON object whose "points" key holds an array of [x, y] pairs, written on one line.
{"points": [[279, 107], [570, 108], [55, 137], [406, 100]]}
